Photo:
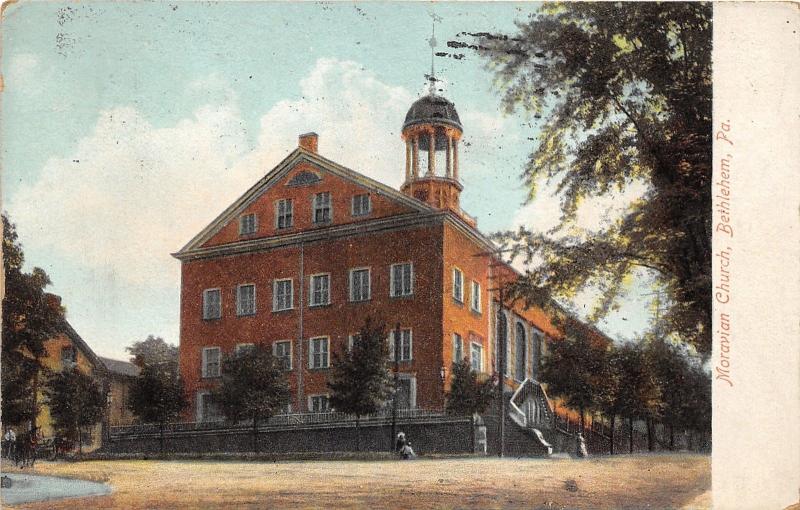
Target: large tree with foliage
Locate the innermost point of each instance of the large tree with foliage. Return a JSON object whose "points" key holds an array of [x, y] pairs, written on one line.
{"points": [[360, 381], [574, 370], [468, 395], [76, 401], [153, 351], [254, 387], [638, 395], [29, 319], [625, 93], [157, 395]]}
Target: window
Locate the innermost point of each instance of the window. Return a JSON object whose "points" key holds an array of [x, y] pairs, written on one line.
{"points": [[212, 304], [352, 339], [475, 297], [476, 357], [69, 356], [211, 362], [401, 279], [248, 224], [207, 409], [361, 205], [318, 403], [283, 353], [458, 285], [318, 352], [405, 345], [320, 291], [521, 341], [458, 348], [537, 341], [246, 299], [282, 295], [406, 391], [359, 285], [322, 207], [284, 217], [243, 348]]}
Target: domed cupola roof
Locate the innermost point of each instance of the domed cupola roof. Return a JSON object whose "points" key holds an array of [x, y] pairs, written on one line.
{"points": [[432, 109]]}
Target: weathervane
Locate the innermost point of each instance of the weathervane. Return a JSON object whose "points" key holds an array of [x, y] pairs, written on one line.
{"points": [[432, 41]]}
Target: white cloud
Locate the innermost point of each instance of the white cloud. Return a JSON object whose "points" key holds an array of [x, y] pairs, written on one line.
{"points": [[131, 193], [21, 72]]}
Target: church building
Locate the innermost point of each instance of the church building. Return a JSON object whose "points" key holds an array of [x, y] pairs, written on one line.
{"points": [[313, 248]]}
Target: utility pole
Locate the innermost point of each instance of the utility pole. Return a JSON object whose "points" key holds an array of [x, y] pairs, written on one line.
{"points": [[396, 381]]}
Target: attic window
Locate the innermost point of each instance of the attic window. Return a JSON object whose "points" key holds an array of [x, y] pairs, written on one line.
{"points": [[304, 178], [248, 224], [69, 356]]}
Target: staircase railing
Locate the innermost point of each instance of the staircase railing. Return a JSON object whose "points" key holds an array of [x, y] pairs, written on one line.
{"points": [[531, 388]]}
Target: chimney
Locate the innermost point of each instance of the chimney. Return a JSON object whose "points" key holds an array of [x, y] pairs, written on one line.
{"points": [[309, 142]]}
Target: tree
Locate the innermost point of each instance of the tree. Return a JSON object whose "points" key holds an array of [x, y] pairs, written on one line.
{"points": [[626, 92], [157, 396], [254, 387], [468, 395], [76, 401], [360, 381], [30, 317], [153, 351], [574, 368], [638, 395]]}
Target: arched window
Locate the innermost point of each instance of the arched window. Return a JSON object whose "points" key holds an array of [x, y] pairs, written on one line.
{"points": [[520, 352]]}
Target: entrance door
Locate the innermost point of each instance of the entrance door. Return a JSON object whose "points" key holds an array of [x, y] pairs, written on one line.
{"points": [[404, 394]]}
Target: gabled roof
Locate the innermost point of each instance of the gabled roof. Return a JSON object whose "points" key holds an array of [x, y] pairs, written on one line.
{"points": [[80, 344], [276, 174], [119, 367]]}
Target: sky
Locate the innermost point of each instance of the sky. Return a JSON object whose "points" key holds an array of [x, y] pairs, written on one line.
{"points": [[128, 127]]}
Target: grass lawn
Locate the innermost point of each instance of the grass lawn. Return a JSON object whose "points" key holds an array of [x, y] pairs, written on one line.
{"points": [[641, 481]]}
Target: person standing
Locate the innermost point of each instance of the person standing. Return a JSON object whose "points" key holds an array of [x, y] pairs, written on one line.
{"points": [[581, 446], [10, 440], [400, 442]]}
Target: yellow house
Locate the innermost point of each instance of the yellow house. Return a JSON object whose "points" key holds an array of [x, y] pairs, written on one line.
{"points": [[67, 350]]}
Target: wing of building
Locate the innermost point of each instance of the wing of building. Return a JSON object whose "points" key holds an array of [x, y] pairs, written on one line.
{"points": [[312, 249]]}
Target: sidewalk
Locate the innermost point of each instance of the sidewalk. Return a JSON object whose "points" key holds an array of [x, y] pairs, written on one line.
{"points": [[27, 488]]}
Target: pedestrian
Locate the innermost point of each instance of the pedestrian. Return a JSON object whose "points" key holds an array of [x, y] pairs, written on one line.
{"points": [[10, 440], [400, 442], [581, 446], [407, 452]]}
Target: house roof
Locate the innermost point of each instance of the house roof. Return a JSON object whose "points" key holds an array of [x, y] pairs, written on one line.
{"points": [[79, 343], [119, 367]]}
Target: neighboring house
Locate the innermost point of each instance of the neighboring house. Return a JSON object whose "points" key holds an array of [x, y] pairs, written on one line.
{"points": [[313, 248], [65, 351], [121, 375]]}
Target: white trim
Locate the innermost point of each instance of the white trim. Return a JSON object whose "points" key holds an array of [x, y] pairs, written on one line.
{"points": [[369, 283], [291, 352], [314, 208], [393, 345], [353, 204], [473, 294], [239, 312], [311, 289], [460, 296], [327, 352], [241, 224], [278, 214], [205, 292], [275, 294], [392, 283], [204, 362]]}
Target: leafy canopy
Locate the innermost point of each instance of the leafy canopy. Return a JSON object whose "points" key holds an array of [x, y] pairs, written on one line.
{"points": [[468, 395], [625, 94], [157, 395], [30, 317], [360, 381], [153, 351], [75, 400], [254, 385]]}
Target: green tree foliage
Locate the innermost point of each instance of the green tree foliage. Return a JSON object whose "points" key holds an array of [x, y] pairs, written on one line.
{"points": [[254, 387], [360, 381], [574, 370], [157, 395], [638, 395], [153, 351], [625, 92], [76, 402], [29, 319], [468, 395]]}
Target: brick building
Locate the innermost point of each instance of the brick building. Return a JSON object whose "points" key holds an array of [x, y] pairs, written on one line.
{"points": [[313, 248]]}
